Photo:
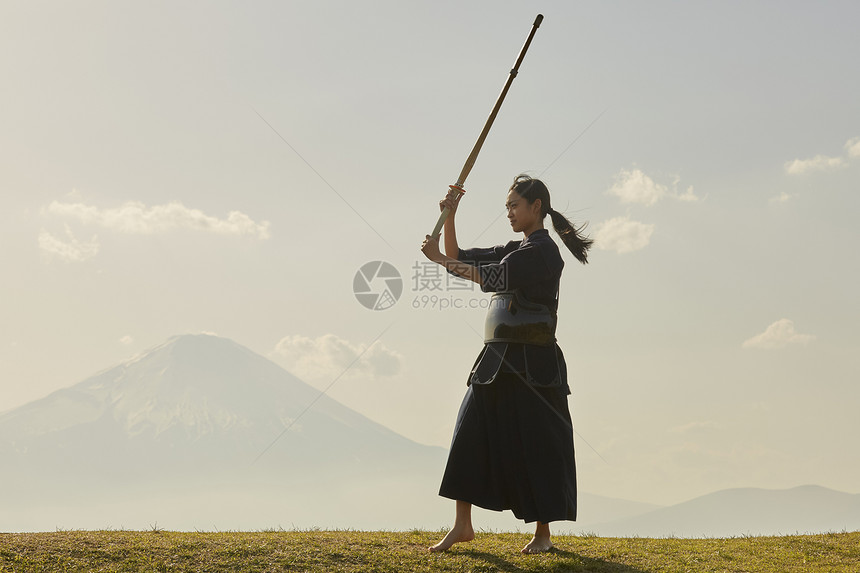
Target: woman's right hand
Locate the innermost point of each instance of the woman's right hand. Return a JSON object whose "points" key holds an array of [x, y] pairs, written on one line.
{"points": [[452, 199]]}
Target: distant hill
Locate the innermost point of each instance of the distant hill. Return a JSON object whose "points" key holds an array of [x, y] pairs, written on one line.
{"points": [[745, 511]]}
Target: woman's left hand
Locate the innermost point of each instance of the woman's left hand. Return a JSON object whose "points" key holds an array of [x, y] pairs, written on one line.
{"points": [[430, 248]]}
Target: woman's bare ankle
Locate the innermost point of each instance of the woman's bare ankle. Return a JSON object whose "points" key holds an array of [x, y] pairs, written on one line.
{"points": [[460, 533]]}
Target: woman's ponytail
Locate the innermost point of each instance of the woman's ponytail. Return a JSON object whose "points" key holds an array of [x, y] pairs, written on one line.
{"points": [[572, 237]]}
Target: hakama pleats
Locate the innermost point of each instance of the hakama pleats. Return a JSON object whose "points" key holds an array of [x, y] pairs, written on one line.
{"points": [[513, 449]]}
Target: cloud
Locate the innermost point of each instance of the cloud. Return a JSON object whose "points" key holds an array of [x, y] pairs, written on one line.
{"points": [[634, 186], [70, 250], [126, 340], [782, 197], [817, 163], [778, 335], [329, 356], [622, 235], [823, 162], [688, 195], [852, 147], [136, 218]]}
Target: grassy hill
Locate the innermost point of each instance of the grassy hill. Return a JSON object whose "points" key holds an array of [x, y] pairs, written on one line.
{"points": [[276, 551]]}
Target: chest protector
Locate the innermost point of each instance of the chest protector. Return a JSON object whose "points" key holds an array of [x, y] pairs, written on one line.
{"points": [[512, 318]]}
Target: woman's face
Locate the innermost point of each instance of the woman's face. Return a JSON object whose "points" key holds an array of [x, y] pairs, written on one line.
{"points": [[524, 218]]}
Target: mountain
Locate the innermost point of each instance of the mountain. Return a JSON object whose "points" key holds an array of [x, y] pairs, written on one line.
{"points": [[203, 426], [745, 511], [195, 401]]}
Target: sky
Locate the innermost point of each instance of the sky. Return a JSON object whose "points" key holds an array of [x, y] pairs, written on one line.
{"points": [[225, 167]]}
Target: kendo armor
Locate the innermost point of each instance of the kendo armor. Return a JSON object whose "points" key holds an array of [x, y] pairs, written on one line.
{"points": [[513, 318]]}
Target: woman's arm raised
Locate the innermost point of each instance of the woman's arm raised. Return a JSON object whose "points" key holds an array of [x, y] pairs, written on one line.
{"points": [[430, 248], [451, 200]]}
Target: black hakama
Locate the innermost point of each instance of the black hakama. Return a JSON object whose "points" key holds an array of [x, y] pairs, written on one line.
{"points": [[513, 449]]}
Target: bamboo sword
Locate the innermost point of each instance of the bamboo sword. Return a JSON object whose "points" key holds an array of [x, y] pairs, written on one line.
{"points": [[470, 161]]}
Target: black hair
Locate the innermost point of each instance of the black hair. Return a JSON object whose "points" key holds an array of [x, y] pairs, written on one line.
{"points": [[573, 238]]}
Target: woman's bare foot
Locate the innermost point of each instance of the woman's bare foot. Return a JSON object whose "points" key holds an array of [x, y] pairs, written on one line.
{"points": [[458, 534], [540, 543]]}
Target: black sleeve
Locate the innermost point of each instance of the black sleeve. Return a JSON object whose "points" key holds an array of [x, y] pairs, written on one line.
{"points": [[519, 268], [480, 256]]}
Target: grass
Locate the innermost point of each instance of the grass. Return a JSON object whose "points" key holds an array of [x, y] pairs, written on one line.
{"points": [[157, 550]]}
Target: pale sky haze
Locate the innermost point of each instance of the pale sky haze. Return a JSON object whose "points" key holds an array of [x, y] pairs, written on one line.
{"points": [[713, 339]]}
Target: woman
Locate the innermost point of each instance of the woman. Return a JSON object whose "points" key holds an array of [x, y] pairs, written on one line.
{"points": [[513, 440]]}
